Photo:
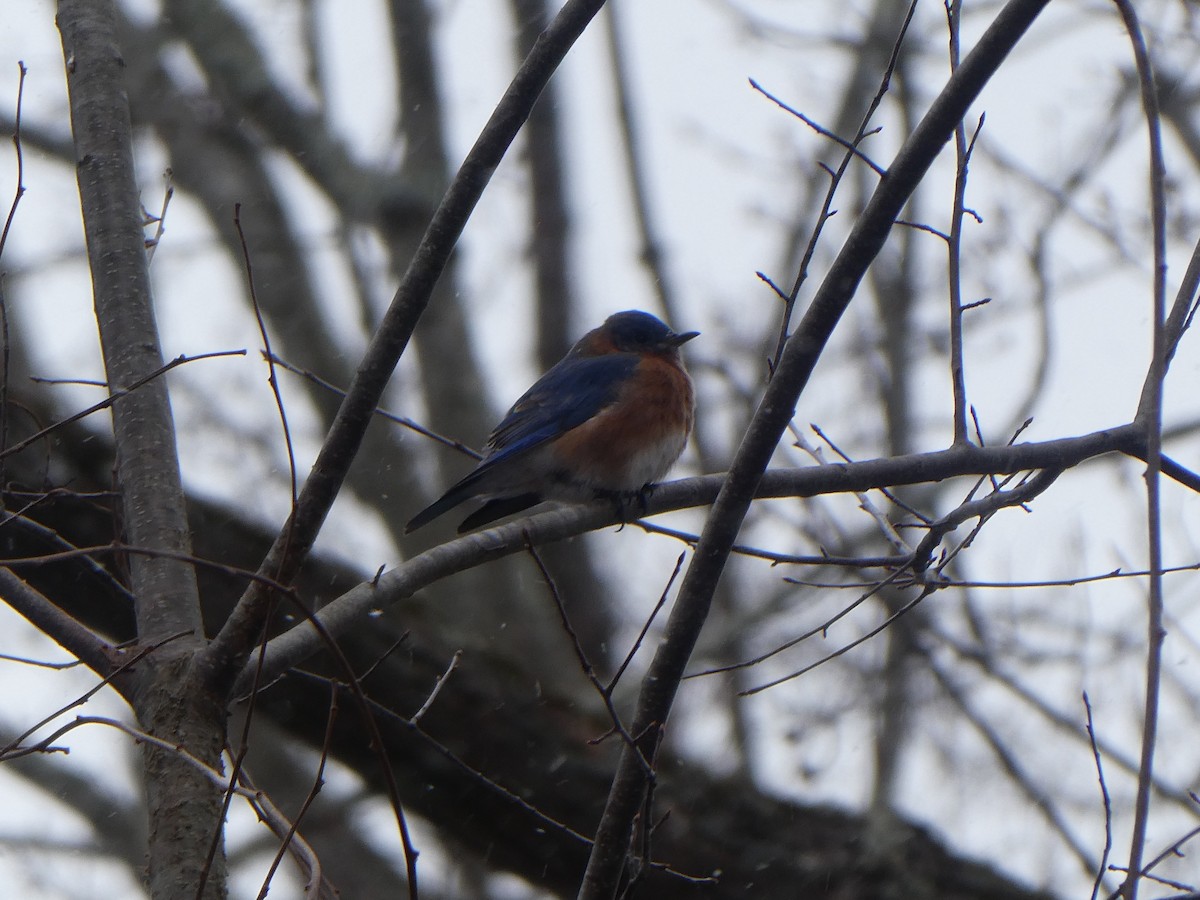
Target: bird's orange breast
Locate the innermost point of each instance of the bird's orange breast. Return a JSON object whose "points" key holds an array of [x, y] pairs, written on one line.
{"points": [[635, 439]]}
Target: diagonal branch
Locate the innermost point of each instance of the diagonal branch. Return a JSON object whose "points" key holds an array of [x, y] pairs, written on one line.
{"points": [[77, 639], [799, 357], [229, 649]]}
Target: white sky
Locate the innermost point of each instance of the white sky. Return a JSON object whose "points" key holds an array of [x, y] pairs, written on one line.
{"points": [[724, 162]]}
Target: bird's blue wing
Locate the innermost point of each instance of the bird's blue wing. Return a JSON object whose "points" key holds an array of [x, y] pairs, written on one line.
{"points": [[576, 389]]}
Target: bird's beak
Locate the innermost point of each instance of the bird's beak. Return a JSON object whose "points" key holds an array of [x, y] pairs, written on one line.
{"points": [[676, 340]]}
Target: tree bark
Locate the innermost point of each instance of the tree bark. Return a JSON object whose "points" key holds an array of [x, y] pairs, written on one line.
{"points": [[184, 807]]}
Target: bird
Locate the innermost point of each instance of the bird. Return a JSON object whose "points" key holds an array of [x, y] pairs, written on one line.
{"points": [[607, 420]]}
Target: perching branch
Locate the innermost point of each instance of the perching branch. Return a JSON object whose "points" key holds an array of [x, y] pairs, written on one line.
{"points": [[338, 616]]}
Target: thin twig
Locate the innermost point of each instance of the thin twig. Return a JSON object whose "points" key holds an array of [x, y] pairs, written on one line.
{"points": [[1191, 302], [12, 748], [835, 179], [115, 396], [272, 378], [1172, 851], [1150, 416], [1102, 867], [314, 874], [637, 643], [822, 629], [1114, 574], [382, 413], [841, 651], [589, 671], [366, 710], [303, 852], [395, 645], [20, 189], [5, 364], [850, 147], [954, 240], [161, 219], [778, 558], [41, 663], [1010, 761], [888, 530], [266, 810], [981, 508], [892, 497], [437, 688]]}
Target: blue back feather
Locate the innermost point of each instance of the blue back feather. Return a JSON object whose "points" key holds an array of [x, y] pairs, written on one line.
{"points": [[569, 394]]}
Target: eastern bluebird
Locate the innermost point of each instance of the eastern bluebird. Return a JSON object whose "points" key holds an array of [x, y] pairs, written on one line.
{"points": [[609, 419]]}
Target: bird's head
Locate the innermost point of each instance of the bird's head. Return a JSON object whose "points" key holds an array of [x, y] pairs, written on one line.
{"points": [[633, 331]]}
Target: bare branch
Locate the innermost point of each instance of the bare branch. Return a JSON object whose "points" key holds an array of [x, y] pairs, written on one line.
{"points": [[340, 615], [437, 688], [20, 189], [78, 640], [607, 862], [1103, 864], [113, 397], [1149, 414], [148, 463], [962, 155], [835, 179], [850, 147], [228, 650]]}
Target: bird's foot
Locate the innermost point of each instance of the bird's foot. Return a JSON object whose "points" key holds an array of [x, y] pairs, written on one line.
{"points": [[628, 505], [643, 495]]}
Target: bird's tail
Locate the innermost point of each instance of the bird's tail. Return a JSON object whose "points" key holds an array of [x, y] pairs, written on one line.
{"points": [[459, 493], [498, 509]]}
